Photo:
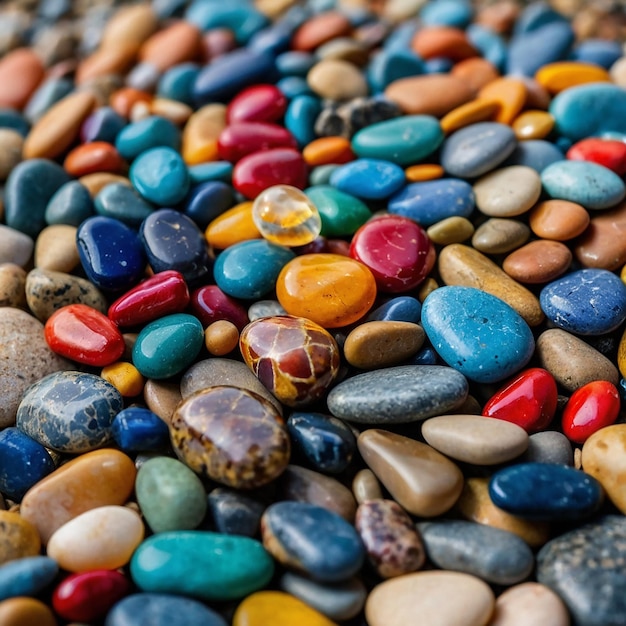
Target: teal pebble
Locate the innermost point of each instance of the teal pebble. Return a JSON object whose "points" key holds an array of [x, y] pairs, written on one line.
{"points": [[168, 345], [150, 132], [216, 170], [122, 203], [206, 565], [341, 213], [241, 19], [71, 204], [160, 176], [26, 576], [321, 174], [300, 118], [177, 83]]}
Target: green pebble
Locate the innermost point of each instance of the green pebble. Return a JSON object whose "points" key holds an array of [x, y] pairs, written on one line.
{"points": [[341, 213]]}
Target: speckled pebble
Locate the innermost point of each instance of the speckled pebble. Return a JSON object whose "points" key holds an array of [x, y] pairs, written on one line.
{"points": [[12, 286]]}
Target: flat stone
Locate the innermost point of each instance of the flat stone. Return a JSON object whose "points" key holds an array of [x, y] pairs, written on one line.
{"points": [[529, 603], [508, 191], [499, 235]]}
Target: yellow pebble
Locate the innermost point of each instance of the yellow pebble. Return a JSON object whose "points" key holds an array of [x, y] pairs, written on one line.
{"points": [[200, 134], [555, 77], [621, 355], [125, 377], [23, 611], [18, 538], [422, 172], [533, 125], [221, 337], [232, 226], [623, 274], [455, 229], [480, 110]]}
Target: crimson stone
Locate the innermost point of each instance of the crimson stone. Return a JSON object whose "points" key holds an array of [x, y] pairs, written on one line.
{"points": [[608, 152], [259, 103], [397, 251], [243, 138], [210, 304]]}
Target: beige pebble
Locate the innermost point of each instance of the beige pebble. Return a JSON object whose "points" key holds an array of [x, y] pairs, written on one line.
{"points": [[129, 25], [572, 361], [377, 344], [56, 248], [344, 49], [102, 538], [99, 180], [18, 538], [538, 262], [439, 598], [12, 285], [476, 506], [419, 478], [162, 398], [618, 72], [560, 220], [11, 143], [507, 192], [461, 265], [475, 439], [365, 486], [221, 337], [455, 229], [15, 246], [529, 604], [603, 458], [336, 79], [500, 235], [176, 112], [23, 611]]}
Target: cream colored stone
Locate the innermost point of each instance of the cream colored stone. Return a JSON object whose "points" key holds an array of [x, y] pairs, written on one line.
{"points": [[529, 604], [365, 486], [129, 25], [335, 79], [508, 191], [56, 248]]}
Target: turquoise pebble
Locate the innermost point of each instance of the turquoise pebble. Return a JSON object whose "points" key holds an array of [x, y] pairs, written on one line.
{"points": [[71, 204], [177, 82], [150, 132], [390, 64], [491, 46], [535, 153], [249, 269], [455, 13], [294, 86], [160, 176], [402, 140], [26, 576], [535, 16], [137, 429], [370, 179], [170, 495], [215, 170], [400, 37], [341, 213], [590, 184], [300, 117], [241, 19], [176, 562], [321, 174], [168, 345], [476, 333], [295, 63], [123, 203]]}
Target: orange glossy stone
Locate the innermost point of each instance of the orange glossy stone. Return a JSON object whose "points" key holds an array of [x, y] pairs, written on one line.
{"points": [[21, 71], [329, 289], [232, 226], [177, 43], [97, 156], [201, 134], [423, 172], [116, 59], [556, 77], [327, 150], [560, 220], [319, 29], [476, 72], [533, 125], [442, 41], [480, 110], [509, 93], [123, 100]]}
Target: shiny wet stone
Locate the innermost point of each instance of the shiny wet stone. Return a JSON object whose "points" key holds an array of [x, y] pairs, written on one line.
{"points": [[234, 513]]}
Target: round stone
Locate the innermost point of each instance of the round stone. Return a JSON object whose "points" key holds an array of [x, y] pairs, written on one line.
{"points": [[529, 603], [507, 192], [160, 176]]}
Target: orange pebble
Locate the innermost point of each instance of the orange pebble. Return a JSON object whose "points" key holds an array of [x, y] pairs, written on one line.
{"points": [[423, 172], [327, 150], [533, 125], [556, 77], [319, 29], [509, 93], [179, 42], [23, 611], [97, 156], [201, 132], [480, 110], [232, 226], [123, 100], [476, 72], [21, 71], [221, 337], [105, 62], [443, 41]]}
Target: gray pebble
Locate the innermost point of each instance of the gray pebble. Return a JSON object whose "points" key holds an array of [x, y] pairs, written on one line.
{"points": [[549, 446]]}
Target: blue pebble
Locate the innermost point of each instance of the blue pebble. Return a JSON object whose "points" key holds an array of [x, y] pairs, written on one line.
{"points": [[476, 333], [71, 204], [426, 356], [585, 302], [29, 188], [401, 37], [249, 269], [294, 86], [27, 576], [47, 94], [242, 19], [10, 118], [398, 309], [23, 462], [110, 253], [137, 429], [273, 39], [590, 184], [160, 176], [454, 13], [545, 492], [150, 132], [477, 149], [438, 65], [535, 153], [215, 170], [389, 65], [300, 118], [491, 46], [621, 388], [173, 241], [103, 124], [601, 52], [177, 82], [123, 203], [371, 179], [431, 201], [295, 63], [207, 201], [535, 16]]}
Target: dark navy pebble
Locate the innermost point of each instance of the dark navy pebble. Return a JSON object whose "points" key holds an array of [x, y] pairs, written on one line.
{"points": [[535, 153], [370, 179], [137, 429], [274, 39], [207, 201], [399, 309], [27, 576], [426, 356], [234, 513], [71, 204], [122, 203], [150, 132]]}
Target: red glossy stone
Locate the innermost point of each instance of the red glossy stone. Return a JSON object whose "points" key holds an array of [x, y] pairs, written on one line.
{"points": [[96, 156], [260, 170], [243, 138], [84, 335], [529, 400], [88, 596], [210, 304], [608, 152], [162, 294], [590, 408], [259, 103], [397, 251]]}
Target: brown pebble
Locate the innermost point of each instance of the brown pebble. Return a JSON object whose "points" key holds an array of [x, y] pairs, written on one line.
{"points": [[99, 180], [499, 16], [365, 486], [129, 25], [221, 337], [22, 611], [177, 43], [11, 143], [560, 220], [345, 49], [475, 72], [335, 79], [500, 235], [538, 261], [319, 29], [18, 538], [162, 397], [442, 41], [56, 248], [426, 288], [21, 71], [103, 62], [12, 285]]}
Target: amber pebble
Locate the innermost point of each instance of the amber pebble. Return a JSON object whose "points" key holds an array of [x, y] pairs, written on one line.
{"points": [[232, 226], [423, 172], [500, 235], [106, 61], [129, 25], [56, 249], [453, 229], [533, 125], [480, 110], [231, 436], [335, 79], [12, 285], [162, 397], [319, 29], [560, 220], [325, 150], [22, 611], [221, 337], [538, 261], [11, 143], [476, 72], [96, 182], [561, 75], [18, 538], [21, 71], [95, 156], [176, 43], [55, 131], [123, 100], [442, 41], [201, 132], [432, 94], [365, 486], [509, 93], [125, 377]]}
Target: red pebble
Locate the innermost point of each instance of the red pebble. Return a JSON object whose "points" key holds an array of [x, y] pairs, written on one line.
{"points": [[529, 400], [397, 251], [89, 158], [243, 138], [88, 596], [210, 304], [161, 294], [259, 103], [608, 152], [590, 408], [260, 170], [84, 335]]}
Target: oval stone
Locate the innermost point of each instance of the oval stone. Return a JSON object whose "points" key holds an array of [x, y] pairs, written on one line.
{"points": [[19, 537], [538, 262], [371, 179], [529, 603], [499, 235], [235, 513], [27, 576], [160, 176], [559, 220], [508, 191], [602, 244], [23, 611]]}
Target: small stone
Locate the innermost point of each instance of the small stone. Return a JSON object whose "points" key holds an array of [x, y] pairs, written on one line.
{"points": [[549, 446], [538, 262], [26, 576], [11, 152], [12, 286], [336, 79], [234, 512], [18, 539], [500, 235], [365, 486], [22, 611], [559, 220], [162, 398], [17, 247], [529, 603], [56, 249]]}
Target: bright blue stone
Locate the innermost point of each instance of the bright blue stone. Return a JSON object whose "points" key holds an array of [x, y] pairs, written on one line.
{"points": [[585, 302], [242, 19], [103, 124], [390, 65], [215, 170], [122, 203], [476, 333], [27, 192], [535, 16], [399, 309], [438, 65], [47, 94], [491, 46], [177, 82], [295, 63], [173, 241], [300, 118], [432, 201], [602, 52], [110, 252], [168, 345], [207, 201], [455, 13], [587, 183], [10, 118], [27, 576], [23, 462], [160, 176], [400, 37], [535, 153], [371, 179], [249, 269], [323, 441], [545, 492], [150, 132], [71, 204], [137, 429]]}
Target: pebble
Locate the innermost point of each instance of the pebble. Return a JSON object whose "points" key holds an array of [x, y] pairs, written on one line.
{"points": [[336, 79], [528, 603], [56, 248], [500, 235], [160, 176], [371, 179], [508, 191], [538, 262], [341, 213], [21, 71], [549, 446], [453, 229], [12, 286], [19, 538], [234, 513], [558, 220], [22, 611], [12, 143], [27, 576], [17, 247]]}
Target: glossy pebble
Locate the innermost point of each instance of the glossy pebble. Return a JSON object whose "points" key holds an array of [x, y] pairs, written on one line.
{"points": [[160, 176], [210, 304], [242, 138], [27, 576], [137, 429], [341, 213], [260, 103], [370, 179], [558, 220]]}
